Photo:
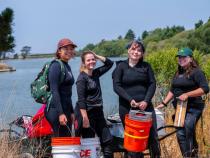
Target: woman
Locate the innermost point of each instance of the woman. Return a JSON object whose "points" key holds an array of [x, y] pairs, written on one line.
{"points": [[135, 84], [89, 108], [189, 83], [60, 112]]}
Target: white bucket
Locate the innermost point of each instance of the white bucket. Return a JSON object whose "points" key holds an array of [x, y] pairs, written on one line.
{"points": [[90, 148], [117, 130], [68, 151], [160, 121]]}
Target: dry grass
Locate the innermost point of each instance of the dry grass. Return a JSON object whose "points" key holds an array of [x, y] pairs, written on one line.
{"points": [[170, 147], [8, 149]]}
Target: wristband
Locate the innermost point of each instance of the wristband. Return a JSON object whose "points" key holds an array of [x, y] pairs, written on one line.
{"points": [[164, 103]]}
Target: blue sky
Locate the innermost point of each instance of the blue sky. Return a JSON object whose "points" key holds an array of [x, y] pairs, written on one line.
{"points": [[41, 23]]}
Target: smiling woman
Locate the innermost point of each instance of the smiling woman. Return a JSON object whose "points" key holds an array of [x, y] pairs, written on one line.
{"points": [[60, 111], [89, 108]]}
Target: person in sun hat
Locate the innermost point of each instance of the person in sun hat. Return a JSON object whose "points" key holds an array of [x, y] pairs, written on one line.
{"points": [[189, 83], [60, 114], [135, 84]]}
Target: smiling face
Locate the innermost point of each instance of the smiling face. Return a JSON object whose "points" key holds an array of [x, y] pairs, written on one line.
{"points": [[184, 61], [89, 61], [66, 53], [135, 52]]}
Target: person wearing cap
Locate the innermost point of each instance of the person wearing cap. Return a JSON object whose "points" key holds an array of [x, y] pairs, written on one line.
{"points": [[60, 114], [135, 84], [189, 83], [89, 107]]}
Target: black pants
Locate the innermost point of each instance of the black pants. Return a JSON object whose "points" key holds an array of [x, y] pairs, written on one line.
{"points": [[153, 143], [98, 126], [186, 135], [53, 118]]}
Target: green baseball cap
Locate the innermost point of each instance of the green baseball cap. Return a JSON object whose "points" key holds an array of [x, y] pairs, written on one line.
{"points": [[185, 52]]}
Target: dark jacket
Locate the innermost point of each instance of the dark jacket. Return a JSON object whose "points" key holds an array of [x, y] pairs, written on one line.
{"points": [[136, 83]]}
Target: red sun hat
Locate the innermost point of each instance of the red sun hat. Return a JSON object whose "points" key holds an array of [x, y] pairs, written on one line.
{"points": [[65, 42]]}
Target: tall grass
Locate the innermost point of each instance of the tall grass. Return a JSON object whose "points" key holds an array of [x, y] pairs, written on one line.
{"points": [[170, 147]]}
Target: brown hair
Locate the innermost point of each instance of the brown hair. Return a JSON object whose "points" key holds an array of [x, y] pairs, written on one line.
{"points": [[193, 65], [57, 54], [82, 67]]}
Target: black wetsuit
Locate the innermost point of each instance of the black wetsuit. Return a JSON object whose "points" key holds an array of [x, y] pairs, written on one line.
{"points": [[136, 83], [90, 99], [61, 102], [183, 84]]}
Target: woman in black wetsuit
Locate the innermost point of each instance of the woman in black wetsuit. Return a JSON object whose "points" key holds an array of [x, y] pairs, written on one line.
{"points": [[189, 83], [89, 107], [135, 84], [60, 112]]}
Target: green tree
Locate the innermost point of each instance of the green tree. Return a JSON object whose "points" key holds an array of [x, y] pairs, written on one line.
{"points": [[119, 37], [144, 34], [89, 46], [6, 38], [25, 51], [198, 24], [130, 35]]}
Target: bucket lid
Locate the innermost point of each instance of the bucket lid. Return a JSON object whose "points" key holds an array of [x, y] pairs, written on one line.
{"points": [[60, 141], [140, 115]]}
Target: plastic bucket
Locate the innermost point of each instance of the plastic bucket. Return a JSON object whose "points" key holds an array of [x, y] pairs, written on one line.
{"points": [[160, 122], [66, 147], [136, 134], [90, 148]]}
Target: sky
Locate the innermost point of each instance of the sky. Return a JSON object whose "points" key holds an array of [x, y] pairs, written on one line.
{"points": [[42, 23]]}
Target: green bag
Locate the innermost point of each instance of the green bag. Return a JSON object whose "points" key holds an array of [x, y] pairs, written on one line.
{"points": [[40, 90]]}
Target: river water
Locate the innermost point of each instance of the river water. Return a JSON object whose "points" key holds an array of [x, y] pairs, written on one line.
{"points": [[15, 97]]}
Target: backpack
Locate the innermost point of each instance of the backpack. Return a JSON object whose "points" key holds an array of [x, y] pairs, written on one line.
{"points": [[40, 89]]}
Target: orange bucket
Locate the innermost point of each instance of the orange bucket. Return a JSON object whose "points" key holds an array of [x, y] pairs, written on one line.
{"points": [[63, 141], [136, 134]]}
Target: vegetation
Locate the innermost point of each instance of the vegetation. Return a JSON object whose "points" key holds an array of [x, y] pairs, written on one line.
{"points": [[6, 38], [158, 40], [164, 63], [25, 51]]}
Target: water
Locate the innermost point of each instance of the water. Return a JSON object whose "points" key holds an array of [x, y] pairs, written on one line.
{"points": [[15, 97]]}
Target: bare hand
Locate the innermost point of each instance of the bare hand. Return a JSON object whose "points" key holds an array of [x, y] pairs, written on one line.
{"points": [[160, 106], [142, 105], [86, 123], [133, 103], [183, 97], [62, 119]]}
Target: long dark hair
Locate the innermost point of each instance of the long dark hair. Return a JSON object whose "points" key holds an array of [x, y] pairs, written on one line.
{"points": [[194, 64]]}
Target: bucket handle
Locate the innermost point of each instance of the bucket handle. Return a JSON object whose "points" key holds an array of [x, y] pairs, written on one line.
{"points": [[140, 112], [70, 131]]}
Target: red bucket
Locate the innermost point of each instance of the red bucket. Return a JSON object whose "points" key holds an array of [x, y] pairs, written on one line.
{"points": [[136, 134]]}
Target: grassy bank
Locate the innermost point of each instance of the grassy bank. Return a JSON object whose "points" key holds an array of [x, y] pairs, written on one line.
{"points": [[169, 146]]}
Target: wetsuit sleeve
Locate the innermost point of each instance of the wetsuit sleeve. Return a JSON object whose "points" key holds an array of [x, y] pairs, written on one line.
{"points": [[117, 83], [201, 81], [103, 69], [54, 79], [152, 85], [81, 86]]}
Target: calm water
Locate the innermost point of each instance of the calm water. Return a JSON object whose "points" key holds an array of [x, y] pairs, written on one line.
{"points": [[15, 97]]}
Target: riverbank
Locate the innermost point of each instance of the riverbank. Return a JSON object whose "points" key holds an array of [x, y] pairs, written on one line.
{"points": [[6, 68]]}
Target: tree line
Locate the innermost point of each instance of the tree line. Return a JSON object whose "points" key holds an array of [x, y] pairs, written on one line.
{"points": [[157, 39]]}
